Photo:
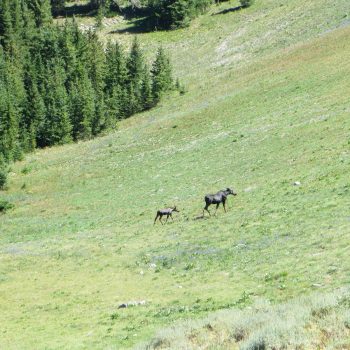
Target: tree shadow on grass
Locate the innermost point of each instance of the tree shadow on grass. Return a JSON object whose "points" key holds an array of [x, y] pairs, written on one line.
{"points": [[138, 26], [232, 9], [82, 10]]}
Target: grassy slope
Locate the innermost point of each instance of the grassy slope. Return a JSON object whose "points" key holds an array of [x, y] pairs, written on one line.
{"points": [[268, 104], [319, 321]]}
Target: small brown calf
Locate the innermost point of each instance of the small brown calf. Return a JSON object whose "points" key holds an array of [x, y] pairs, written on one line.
{"points": [[167, 211]]}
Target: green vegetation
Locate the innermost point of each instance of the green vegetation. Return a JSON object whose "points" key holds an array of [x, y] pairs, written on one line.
{"points": [[267, 104], [5, 205], [246, 3], [3, 174], [171, 14], [314, 322], [156, 14], [57, 84]]}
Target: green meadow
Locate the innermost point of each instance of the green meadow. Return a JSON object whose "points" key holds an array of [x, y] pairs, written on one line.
{"points": [[267, 104]]}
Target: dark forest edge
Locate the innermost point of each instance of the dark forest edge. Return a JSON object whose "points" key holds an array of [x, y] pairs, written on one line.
{"points": [[155, 14], [59, 85]]}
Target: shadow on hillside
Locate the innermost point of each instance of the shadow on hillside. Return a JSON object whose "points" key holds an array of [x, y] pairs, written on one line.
{"points": [[139, 26], [232, 9], [82, 10]]}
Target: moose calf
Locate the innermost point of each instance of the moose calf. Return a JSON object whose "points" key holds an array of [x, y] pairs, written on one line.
{"points": [[167, 211]]}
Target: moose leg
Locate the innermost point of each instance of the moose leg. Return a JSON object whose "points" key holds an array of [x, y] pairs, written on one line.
{"points": [[206, 208], [167, 217], [160, 219], [223, 203], [157, 216], [217, 206], [171, 215]]}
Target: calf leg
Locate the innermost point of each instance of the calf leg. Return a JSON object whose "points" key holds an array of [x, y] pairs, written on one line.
{"points": [[157, 216], [171, 215], [224, 204], [160, 219]]}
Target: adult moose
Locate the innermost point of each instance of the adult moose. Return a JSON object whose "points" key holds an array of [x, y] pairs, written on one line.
{"points": [[217, 198], [167, 211]]}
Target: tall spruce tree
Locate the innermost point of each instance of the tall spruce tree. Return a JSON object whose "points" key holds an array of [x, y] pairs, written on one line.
{"points": [[161, 75], [146, 89], [9, 126], [57, 125], [6, 27], [135, 65], [116, 79], [82, 107]]}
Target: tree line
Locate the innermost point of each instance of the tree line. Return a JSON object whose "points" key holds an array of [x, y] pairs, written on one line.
{"points": [[160, 14], [58, 84]]}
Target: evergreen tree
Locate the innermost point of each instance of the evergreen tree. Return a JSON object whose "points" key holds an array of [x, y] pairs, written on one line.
{"points": [[135, 66], [114, 104], [116, 79], [59, 84], [9, 126], [116, 66], [161, 75], [104, 119], [34, 114], [146, 89], [57, 126], [171, 14], [6, 29], [82, 107], [41, 10]]}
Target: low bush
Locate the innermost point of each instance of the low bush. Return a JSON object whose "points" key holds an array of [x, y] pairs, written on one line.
{"points": [[5, 205], [246, 3], [3, 177]]}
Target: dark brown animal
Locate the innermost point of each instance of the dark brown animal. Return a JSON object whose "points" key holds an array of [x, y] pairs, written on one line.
{"points": [[217, 198], [167, 211]]}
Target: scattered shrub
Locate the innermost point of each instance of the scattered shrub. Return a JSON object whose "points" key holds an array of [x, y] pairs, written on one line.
{"points": [[246, 3], [3, 178], [5, 205]]}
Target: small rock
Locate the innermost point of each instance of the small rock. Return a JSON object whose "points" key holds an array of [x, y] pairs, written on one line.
{"points": [[332, 269], [142, 273], [152, 266], [132, 303], [241, 245], [296, 183], [316, 285]]}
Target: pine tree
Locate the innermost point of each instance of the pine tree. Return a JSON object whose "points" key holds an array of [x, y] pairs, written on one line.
{"points": [[82, 107], [114, 103], [161, 75], [34, 113], [9, 126], [116, 79], [135, 65], [116, 66], [41, 10], [57, 126], [146, 89], [6, 29]]}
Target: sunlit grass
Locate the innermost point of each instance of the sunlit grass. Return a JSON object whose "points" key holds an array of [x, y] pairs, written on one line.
{"points": [[266, 106]]}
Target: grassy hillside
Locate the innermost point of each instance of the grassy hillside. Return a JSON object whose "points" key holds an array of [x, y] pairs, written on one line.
{"points": [[267, 105], [320, 321]]}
